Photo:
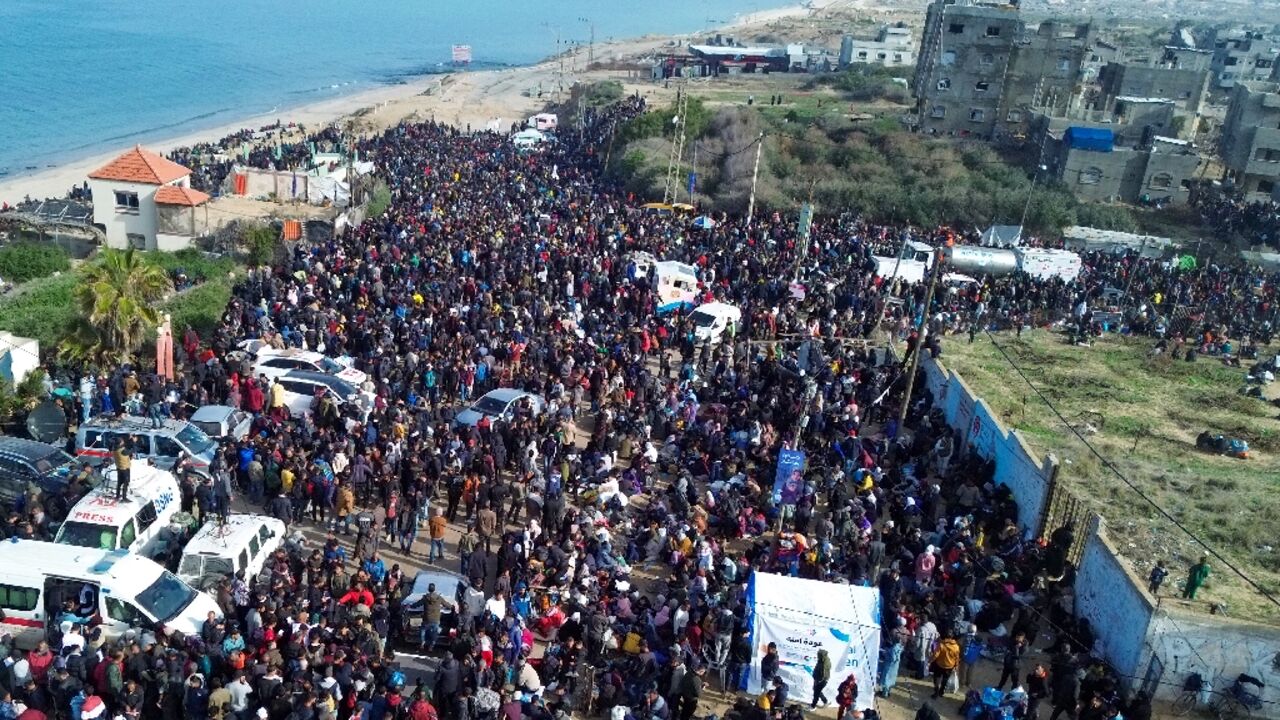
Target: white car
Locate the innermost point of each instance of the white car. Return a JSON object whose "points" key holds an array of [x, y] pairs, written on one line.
{"points": [[499, 405], [274, 363], [302, 386]]}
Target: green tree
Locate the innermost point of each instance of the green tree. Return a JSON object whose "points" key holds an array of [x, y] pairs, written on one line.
{"points": [[259, 244], [117, 300]]}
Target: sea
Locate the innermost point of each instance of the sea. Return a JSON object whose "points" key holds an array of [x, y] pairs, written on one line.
{"points": [[81, 77]]}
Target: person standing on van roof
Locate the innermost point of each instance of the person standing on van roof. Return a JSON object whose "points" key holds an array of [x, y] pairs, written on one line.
{"points": [[123, 456]]}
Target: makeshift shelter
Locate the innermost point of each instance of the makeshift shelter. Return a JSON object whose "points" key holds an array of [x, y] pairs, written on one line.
{"points": [[801, 616], [1001, 236]]}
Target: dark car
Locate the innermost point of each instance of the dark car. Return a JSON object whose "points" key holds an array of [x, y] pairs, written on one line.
{"points": [[26, 462]]}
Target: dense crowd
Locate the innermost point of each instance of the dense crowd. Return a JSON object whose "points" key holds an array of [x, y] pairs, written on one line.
{"points": [[604, 539], [1257, 222], [211, 162]]}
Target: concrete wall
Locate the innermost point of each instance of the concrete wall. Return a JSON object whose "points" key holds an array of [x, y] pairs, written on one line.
{"points": [[1117, 607], [1147, 641], [1017, 466], [1217, 648]]}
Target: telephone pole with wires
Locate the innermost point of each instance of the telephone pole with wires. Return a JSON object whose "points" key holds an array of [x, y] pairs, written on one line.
{"points": [[672, 186]]}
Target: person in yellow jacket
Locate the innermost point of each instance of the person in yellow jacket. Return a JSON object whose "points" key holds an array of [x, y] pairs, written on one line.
{"points": [[944, 661]]}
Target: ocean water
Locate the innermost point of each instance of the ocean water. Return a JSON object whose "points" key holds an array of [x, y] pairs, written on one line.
{"points": [[79, 77]]}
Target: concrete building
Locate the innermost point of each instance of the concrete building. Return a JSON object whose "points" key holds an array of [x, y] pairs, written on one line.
{"points": [[732, 60], [1250, 145], [892, 46], [144, 201], [1246, 55], [1097, 164], [964, 57], [1188, 89], [1186, 58], [1045, 74]]}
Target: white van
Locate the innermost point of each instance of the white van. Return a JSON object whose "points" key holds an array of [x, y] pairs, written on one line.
{"points": [[220, 550], [124, 590], [136, 524], [710, 321], [676, 284]]}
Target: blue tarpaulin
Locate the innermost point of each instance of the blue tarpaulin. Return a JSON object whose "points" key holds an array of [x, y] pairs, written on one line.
{"points": [[1095, 139]]}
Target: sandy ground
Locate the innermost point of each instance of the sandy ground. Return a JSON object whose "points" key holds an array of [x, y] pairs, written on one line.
{"points": [[491, 98]]}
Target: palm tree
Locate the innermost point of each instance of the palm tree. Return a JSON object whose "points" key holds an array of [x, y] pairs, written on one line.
{"points": [[117, 301]]}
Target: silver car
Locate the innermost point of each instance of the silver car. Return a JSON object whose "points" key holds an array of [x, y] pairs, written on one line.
{"points": [[222, 422], [499, 405]]}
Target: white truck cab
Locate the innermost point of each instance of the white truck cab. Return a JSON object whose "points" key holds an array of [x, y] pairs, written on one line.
{"points": [[711, 320]]}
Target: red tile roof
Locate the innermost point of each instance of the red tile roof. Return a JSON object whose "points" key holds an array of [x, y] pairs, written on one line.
{"points": [[174, 195], [141, 166]]}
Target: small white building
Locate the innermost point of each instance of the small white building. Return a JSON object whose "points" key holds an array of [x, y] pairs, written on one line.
{"points": [[893, 47], [145, 201], [18, 357]]}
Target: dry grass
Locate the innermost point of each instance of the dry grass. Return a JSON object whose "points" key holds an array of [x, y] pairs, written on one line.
{"points": [[1143, 415]]}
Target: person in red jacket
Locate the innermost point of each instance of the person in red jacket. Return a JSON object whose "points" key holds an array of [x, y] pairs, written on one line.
{"points": [[357, 594], [40, 659]]}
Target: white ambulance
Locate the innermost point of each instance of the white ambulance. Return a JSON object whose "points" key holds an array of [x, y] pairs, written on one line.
{"points": [[122, 590], [138, 524]]}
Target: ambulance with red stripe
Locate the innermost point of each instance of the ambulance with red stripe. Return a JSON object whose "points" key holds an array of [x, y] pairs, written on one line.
{"points": [[114, 590]]}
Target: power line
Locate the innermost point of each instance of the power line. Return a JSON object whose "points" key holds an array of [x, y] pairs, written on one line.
{"points": [[1107, 463]]}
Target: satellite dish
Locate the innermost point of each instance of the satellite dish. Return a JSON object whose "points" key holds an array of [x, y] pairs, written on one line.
{"points": [[47, 423]]}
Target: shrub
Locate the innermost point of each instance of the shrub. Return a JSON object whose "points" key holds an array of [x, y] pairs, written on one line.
{"points": [[27, 261], [44, 310], [194, 263], [259, 244], [201, 307], [379, 199]]}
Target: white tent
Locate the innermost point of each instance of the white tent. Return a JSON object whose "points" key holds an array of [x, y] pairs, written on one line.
{"points": [[801, 616]]}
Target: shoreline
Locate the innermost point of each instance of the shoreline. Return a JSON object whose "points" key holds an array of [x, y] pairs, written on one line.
{"points": [[492, 97]]}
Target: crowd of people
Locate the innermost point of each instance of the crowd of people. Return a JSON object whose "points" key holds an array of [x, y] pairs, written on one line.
{"points": [[605, 536], [1257, 222]]}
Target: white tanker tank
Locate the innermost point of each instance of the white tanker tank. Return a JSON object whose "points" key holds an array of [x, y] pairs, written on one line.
{"points": [[976, 260]]}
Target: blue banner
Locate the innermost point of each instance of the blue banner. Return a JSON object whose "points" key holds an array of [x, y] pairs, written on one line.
{"points": [[788, 482], [693, 182]]}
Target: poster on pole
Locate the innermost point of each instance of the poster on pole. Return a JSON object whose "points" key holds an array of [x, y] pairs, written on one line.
{"points": [[801, 616], [788, 481]]}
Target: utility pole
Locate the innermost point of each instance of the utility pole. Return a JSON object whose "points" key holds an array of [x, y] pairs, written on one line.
{"points": [[888, 284], [920, 335], [671, 189], [755, 175], [591, 44]]}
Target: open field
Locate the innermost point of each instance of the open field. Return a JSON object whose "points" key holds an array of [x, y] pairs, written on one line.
{"points": [[1143, 415]]}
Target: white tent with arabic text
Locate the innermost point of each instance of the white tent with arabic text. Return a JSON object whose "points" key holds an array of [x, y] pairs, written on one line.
{"points": [[801, 616]]}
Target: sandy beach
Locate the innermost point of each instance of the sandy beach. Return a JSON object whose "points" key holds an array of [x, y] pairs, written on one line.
{"points": [[479, 99]]}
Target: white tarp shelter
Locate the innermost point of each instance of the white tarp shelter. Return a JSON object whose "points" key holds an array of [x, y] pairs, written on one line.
{"points": [[1001, 236], [801, 616]]}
